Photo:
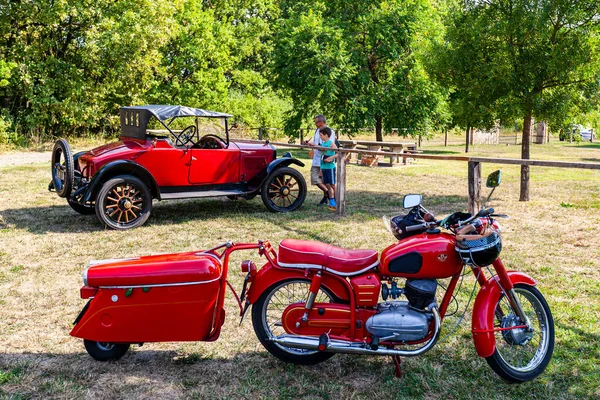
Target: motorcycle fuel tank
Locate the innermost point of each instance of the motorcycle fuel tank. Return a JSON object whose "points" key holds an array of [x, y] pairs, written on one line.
{"points": [[425, 256], [170, 297]]}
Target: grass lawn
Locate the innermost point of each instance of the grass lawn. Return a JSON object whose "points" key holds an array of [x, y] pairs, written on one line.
{"points": [[44, 247]]}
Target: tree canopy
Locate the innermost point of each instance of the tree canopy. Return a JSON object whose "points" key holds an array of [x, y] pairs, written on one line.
{"points": [[67, 66], [359, 61], [531, 58]]}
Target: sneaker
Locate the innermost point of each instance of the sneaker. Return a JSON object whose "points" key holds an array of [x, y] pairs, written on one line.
{"points": [[323, 201], [332, 203], [331, 208]]}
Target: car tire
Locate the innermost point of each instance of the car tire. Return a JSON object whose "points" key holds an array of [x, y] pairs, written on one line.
{"points": [[284, 190], [122, 198], [80, 208], [63, 170]]}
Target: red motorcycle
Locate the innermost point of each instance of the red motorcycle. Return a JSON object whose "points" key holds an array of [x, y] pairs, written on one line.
{"points": [[311, 300]]}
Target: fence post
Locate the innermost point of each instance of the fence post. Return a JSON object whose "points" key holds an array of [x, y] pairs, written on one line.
{"points": [[340, 188], [474, 186], [419, 140], [260, 133], [301, 136], [446, 138]]}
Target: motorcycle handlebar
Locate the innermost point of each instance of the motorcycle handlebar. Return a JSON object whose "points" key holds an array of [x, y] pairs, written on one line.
{"points": [[415, 227], [486, 211]]}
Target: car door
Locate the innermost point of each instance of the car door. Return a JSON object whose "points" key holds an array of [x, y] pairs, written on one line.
{"points": [[215, 166]]}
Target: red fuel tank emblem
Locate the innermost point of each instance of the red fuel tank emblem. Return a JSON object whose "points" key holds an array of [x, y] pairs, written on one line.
{"points": [[442, 257]]}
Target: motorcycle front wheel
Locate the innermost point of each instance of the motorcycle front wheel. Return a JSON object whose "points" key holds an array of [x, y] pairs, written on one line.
{"points": [[266, 319], [521, 356]]}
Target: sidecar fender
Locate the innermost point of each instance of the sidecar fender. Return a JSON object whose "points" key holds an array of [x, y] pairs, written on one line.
{"points": [[269, 275], [483, 312]]}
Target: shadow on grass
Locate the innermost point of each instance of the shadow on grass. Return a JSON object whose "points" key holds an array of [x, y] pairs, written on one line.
{"points": [[360, 206], [586, 146], [596, 160]]}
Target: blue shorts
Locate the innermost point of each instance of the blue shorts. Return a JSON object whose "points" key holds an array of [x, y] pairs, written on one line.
{"points": [[328, 176]]}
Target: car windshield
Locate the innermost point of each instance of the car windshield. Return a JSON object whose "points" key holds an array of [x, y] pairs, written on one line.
{"points": [[206, 126]]}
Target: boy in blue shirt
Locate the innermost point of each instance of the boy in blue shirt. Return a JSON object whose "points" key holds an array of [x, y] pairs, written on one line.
{"points": [[328, 165]]}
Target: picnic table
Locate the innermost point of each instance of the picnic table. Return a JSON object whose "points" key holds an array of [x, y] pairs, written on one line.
{"points": [[393, 147]]}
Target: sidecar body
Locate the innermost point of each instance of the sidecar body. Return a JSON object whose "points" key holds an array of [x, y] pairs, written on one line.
{"points": [[169, 297]]}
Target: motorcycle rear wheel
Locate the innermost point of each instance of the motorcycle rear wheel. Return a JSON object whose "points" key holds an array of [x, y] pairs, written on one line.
{"points": [[266, 319], [521, 356]]}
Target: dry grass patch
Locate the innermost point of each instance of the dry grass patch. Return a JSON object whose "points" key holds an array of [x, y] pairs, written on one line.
{"points": [[44, 246]]}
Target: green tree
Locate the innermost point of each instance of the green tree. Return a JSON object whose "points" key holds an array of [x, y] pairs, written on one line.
{"points": [[358, 61], [534, 56], [77, 61]]}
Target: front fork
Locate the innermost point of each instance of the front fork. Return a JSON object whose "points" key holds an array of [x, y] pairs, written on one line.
{"points": [[507, 287]]}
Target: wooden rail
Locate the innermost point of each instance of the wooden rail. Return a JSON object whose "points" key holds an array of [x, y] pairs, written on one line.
{"points": [[474, 168]]}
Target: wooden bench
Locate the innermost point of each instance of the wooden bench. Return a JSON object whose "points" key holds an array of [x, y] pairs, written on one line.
{"points": [[392, 147]]}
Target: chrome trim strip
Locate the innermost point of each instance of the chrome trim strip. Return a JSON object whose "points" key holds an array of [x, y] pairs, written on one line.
{"points": [[160, 285]]}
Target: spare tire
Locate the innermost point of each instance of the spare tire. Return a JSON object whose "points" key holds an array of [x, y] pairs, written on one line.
{"points": [[63, 169]]}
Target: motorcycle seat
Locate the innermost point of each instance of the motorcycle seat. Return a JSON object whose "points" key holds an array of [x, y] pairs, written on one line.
{"points": [[306, 254]]}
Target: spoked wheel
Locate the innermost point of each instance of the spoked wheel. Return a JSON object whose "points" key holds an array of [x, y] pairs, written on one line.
{"points": [[105, 351], [520, 355], [266, 319], [62, 168], [124, 202], [284, 190]]}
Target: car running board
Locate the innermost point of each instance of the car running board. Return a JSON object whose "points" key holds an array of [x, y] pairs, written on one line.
{"points": [[204, 193]]}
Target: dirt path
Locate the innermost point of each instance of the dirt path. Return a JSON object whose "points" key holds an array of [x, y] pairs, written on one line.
{"points": [[24, 158]]}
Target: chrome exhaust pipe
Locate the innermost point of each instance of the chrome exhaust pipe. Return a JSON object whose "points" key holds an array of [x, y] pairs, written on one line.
{"points": [[346, 347]]}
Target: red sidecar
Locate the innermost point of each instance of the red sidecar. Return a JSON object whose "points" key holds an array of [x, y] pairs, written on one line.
{"points": [[170, 297]]}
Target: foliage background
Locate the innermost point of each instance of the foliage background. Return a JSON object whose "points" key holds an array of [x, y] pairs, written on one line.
{"points": [[66, 66]]}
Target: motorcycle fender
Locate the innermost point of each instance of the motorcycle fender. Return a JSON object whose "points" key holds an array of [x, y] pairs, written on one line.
{"points": [[269, 275], [483, 312]]}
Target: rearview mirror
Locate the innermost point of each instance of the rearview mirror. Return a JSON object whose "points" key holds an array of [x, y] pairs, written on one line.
{"points": [[494, 179], [412, 200]]}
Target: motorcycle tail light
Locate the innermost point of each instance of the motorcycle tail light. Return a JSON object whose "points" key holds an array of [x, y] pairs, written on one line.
{"points": [[88, 292]]}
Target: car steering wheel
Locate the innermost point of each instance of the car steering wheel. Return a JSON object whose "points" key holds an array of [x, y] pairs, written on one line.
{"points": [[185, 136], [211, 142]]}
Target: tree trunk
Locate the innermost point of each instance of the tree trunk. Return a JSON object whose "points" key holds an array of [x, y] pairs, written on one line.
{"points": [[525, 156], [468, 138], [379, 128]]}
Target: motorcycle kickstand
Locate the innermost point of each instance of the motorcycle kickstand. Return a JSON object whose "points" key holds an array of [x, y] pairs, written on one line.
{"points": [[398, 373]]}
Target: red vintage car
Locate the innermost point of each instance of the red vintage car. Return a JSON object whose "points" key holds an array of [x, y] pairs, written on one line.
{"points": [[118, 181]]}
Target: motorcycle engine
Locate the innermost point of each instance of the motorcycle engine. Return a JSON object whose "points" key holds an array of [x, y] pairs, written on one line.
{"points": [[402, 321], [397, 321]]}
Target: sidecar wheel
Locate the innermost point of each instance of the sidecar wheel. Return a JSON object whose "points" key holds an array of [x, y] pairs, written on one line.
{"points": [[266, 320], [105, 351], [63, 168], [521, 356]]}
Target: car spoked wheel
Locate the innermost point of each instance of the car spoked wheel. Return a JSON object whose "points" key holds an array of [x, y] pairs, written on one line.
{"points": [[124, 202], [62, 168], [284, 190], [522, 354], [105, 351], [266, 319]]}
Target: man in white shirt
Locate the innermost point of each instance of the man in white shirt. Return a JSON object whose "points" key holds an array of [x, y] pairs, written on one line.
{"points": [[315, 170]]}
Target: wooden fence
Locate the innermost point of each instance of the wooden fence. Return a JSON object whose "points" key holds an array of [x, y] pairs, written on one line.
{"points": [[474, 168]]}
